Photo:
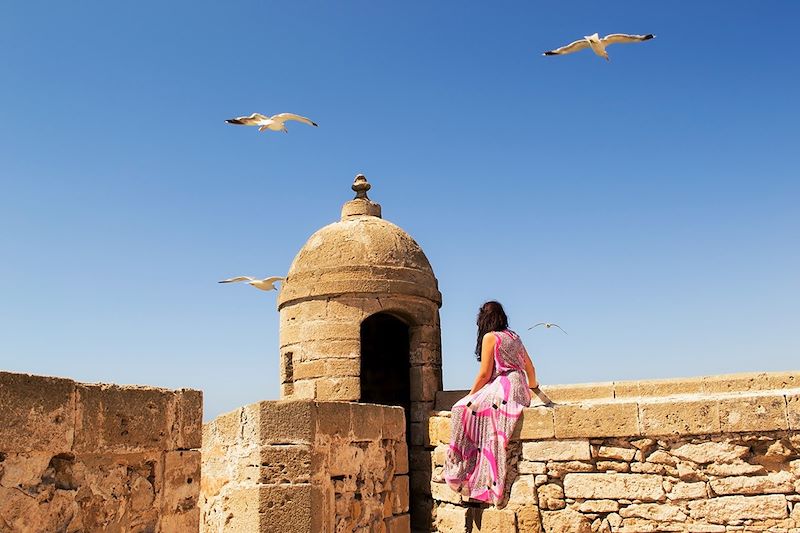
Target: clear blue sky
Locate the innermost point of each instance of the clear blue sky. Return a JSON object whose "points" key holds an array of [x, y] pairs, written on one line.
{"points": [[648, 205]]}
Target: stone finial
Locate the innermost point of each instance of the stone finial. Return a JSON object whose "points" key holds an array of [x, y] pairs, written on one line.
{"points": [[361, 186], [361, 205]]}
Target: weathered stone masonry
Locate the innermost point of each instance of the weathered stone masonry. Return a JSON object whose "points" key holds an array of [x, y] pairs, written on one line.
{"points": [[633, 458], [306, 466], [80, 457]]}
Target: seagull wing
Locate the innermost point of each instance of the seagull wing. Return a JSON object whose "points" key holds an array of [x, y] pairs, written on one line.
{"points": [[234, 280], [283, 117], [562, 329], [571, 47], [539, 324], [256, 119], [273, 279], [616, 38]]}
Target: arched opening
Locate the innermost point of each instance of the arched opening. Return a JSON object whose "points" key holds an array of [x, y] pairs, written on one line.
{"points": [[385, 361]]}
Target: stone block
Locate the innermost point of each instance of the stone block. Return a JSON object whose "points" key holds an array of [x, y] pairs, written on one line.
{"points": [[443, 493], [550, 496], [523, 492], [727, 509], [283, 421], [445, 399], [737, 468], [535, 423], [290, 463], [599, 506], [367, 422], [304, 389], [565, 521], [557, 450], [557, 469], [579, 392], [654, 511], [772, 483], [273, 508], [394, 423], [111, 418], [398, 524], [793, 406], [37, 414], [688, 491], [400, 494], [427, 334], [531, 467], [670, 387], [596, 420], [339, 389], [644, 487], [426, 354], [316, 368], [438, 430], [181, 486], [753, 413], [616, 453], [528, 519], [750, 382], [420, 411], [452, 519], [336, 418], [426, 380], [189, 417], [400, 457], [710, 452], [492, 520], [312, 350], [679, 417]]}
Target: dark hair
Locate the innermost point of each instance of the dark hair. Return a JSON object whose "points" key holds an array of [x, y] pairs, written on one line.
{"points": [[491, 317]]}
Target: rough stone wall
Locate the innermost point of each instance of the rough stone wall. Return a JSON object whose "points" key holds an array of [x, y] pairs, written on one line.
{"points": [[80, 457], [710, 462], [320, 346], [306, 466]]}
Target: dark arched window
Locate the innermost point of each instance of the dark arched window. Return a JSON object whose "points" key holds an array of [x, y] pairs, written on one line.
{"points": [[385, 361]]}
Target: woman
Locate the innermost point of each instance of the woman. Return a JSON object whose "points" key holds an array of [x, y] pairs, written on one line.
{"points": [[483, 421]]}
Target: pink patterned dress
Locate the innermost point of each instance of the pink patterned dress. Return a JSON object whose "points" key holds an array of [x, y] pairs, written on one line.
{"points": [[483, 422]]}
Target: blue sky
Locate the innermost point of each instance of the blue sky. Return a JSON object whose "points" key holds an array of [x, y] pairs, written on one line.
{"points": [[649, 205]]}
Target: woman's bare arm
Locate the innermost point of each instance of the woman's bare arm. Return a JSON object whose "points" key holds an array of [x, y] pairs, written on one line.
{"points": [[487, 362], [530, 371]]}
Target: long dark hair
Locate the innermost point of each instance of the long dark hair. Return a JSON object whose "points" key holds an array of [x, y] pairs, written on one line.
{"points": [[491, 317]]}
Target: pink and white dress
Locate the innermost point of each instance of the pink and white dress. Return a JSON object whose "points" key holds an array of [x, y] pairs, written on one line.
{"points": [[482, 424]]}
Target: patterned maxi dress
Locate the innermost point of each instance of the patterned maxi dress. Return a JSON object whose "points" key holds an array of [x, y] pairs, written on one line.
{"points": [[483, 422]]}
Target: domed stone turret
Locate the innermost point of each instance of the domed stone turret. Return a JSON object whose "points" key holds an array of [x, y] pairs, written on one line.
{"points": [[359, 314]]}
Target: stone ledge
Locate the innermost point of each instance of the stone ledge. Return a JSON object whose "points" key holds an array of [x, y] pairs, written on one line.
{"points": [[706, 414], [41, 413], [703, 385]]}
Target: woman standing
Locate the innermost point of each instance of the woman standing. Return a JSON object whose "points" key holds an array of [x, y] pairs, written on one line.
{"points": [[482, 422]]}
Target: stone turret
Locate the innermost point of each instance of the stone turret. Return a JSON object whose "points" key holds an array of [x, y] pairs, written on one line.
{"points": [[359, 314]]}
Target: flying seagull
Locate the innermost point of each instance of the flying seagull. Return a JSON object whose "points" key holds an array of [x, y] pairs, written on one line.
{"points": [[598, 45], [274, 123], [266, 284], [548, 325]]}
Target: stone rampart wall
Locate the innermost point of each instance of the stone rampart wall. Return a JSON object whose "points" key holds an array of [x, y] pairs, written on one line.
{"points": [[708, 462], [306, 467], [89, 457]]}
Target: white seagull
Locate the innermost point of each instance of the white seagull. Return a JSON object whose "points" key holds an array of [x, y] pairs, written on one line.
{"points": [[266, 284], [598, 45], [548, 325], [274, 123]]}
